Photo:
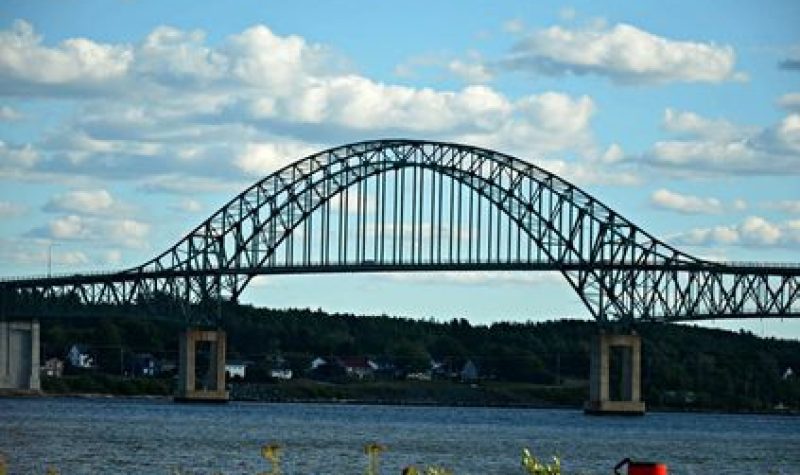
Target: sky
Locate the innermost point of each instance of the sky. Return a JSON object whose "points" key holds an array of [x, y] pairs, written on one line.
{"points": [[124, 124]]}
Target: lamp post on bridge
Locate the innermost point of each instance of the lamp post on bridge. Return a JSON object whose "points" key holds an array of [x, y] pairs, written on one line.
{"points": [[50, 258]]}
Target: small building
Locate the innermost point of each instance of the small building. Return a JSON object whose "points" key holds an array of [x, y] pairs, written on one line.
{"points": [[317, 362], [358, 367], [281, 373], [79, 356], [788, 374], [53, 368], [236, 368]]}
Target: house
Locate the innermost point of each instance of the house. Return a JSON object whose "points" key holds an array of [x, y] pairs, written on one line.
{"points": [[79, 356], [317, 362], [469, 372], [53, 368], [358, 367], [788, 374], [236, 368], [280, 373]]}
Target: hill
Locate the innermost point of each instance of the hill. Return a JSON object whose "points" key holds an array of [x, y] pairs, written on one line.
{"points": [[683, 366]]}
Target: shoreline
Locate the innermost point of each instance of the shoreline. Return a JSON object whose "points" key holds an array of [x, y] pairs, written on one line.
{"points": [[19, 394]]}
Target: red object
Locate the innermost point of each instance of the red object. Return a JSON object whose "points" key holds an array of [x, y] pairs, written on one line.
{"points": [[641, 468], [646, 468]]}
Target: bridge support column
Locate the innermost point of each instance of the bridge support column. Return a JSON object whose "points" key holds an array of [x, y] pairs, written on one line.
{"points": [[209, 386], [19, 355], [615, 375]]}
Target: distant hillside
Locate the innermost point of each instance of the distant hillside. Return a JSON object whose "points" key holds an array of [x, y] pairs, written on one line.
{"points": [[683, 366]]}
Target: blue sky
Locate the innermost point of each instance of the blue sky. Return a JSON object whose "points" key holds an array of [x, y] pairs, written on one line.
{"points": [[125, 123]]}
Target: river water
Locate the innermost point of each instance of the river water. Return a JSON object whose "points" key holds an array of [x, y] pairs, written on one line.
{"points": [[88, 436]]}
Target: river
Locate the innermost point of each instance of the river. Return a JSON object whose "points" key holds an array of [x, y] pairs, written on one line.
{"points": [[93, 436]]}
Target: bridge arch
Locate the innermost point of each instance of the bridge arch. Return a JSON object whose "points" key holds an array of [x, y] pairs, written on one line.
{"points": [[569, 227]]}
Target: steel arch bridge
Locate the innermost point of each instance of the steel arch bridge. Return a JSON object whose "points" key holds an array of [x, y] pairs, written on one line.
{"points": [[410, 205]]}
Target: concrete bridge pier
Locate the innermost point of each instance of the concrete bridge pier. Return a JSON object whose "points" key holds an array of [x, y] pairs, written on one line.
{"points": [[19, 355], [615, 381], [209, 384]]}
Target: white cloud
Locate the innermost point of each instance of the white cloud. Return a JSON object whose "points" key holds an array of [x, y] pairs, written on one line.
{"points": [[718, 147], [97, 201], [9, 114], [125, 232], [261, 159], [790, 101], [792, 60], [514, 25], [112, 257], [693, 125], [624, 53], [188, 205], [753, 231], [10, 210], [12, 157], [180, 107], [76, 62], [567, 13], [473, 73], [686, 204], [787, 206]]}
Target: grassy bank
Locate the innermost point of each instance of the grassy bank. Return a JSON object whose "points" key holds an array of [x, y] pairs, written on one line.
{"points": [[414, 392]]}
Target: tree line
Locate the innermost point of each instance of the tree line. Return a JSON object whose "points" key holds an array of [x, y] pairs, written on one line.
{"points": [[682, 366]]}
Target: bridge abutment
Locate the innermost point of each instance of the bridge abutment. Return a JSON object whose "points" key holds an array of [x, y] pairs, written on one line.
{"points": [[206, 382], [19, 355], [615, 375]]}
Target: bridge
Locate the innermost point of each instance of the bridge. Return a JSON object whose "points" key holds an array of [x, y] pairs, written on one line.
{"points": [[411, 205]]}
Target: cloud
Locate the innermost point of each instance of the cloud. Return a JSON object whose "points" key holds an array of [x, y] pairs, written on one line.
{"points": [[83, 202], [686, 204], [261, 159], [176, 114], [124, 232], [787, 206], [718, 147], [790, 101], [76, 64], [514, 26], [753, 231], [472, 73], [10, 210], [9, 114], [17, 157], [188, 205], [623, 53], [792, 61]]}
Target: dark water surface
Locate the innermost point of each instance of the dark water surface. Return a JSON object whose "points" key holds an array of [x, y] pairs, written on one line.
{"points": [[82, 436]]}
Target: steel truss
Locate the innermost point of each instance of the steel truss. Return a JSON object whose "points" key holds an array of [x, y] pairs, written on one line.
{"points": [[407, 205]]}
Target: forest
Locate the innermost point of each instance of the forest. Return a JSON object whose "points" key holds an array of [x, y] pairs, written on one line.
{"points": [[683, 366]]}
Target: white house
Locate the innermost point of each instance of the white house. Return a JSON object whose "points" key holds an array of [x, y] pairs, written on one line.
{"points": [[317, 362], [79, 357], [236, 368], [281, 373]]}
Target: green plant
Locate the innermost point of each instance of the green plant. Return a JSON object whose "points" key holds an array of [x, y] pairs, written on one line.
{"points": [[533, 466], [412, 470], [272, 453], [373, 451]]}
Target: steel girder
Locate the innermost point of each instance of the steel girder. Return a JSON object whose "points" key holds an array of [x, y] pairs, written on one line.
{"points": [[406, 205]]}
